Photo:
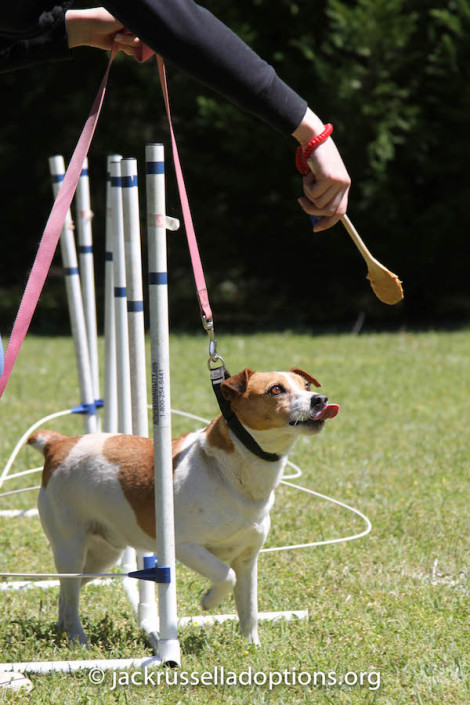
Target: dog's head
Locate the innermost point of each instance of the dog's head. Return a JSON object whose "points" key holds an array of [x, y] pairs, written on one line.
{"points": [[278, 400]]}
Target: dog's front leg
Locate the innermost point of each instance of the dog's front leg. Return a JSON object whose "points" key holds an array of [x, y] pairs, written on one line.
{"points": [[246, 596], [204, 562]]}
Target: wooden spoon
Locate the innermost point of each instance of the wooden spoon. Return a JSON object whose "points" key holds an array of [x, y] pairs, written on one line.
{"points": [[385, 285]]}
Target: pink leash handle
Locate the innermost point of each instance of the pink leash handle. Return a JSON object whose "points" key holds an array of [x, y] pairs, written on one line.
{"points": [[51, 235]]}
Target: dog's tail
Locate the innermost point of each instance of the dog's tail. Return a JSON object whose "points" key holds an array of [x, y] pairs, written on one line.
{"points": [[41, 439]]}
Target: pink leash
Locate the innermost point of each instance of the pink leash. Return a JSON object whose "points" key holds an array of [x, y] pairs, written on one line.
{"points": [[188, 221], [52, 231]]}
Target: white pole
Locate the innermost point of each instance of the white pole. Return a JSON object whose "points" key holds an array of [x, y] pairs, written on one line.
{"points": [[135, 302], [87, 274], [110, 375], [72, 666], [146, 608], [75, 302], [124, 405], [120, 304], [168, 645]]}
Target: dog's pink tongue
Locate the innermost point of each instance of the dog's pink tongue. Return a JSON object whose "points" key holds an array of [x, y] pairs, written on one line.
{"points": [[328, 412]]}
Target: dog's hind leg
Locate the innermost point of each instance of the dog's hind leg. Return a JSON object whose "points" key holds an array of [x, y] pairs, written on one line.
{"points": [[204, 562], [68, 543], [91, 555], [69, 558]]}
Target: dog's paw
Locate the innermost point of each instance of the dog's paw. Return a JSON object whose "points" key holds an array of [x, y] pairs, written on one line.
{"points": [[253, 638], [218, 592], [211, 598], [77, 637]]}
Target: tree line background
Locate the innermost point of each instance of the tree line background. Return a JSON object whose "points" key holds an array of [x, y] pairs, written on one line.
{"points": [[393, 78]]}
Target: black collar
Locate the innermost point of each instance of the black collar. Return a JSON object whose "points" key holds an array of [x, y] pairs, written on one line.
{"points": [[218, 375]]}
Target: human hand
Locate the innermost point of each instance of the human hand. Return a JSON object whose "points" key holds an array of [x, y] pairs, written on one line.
{"points": [[326, 188], [97, 28]]}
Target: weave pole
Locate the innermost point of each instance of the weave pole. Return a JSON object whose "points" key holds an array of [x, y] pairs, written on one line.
{"points": [[124, 423], [84, 217], [110, 373], [168, 644], [135, 297], [146, 608], [75, 303], [123, 367]]}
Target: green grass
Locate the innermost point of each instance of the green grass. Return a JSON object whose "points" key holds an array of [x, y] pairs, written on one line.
{"points": [[395, 602]]}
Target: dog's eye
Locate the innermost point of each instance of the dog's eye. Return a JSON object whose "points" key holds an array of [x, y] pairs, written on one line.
{"points": [[276, 390], [308, 386]]}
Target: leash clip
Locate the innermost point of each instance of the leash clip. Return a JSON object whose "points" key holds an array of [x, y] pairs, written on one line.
{"points": [[208, 324]]}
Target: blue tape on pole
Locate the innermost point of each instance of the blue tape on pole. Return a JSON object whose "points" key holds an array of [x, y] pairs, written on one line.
{"points": [[129, 181], [116, 181], [155, 168], [85, 249], [88, 409], [99, 403], [84, 172], [108, 256], [70, 271], [135, 306], [152, 571], [158, 278], [120, 292], [2, 357], [57, 178]]}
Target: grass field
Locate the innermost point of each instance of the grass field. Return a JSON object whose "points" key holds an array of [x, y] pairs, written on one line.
{"points": [[393, 605]]}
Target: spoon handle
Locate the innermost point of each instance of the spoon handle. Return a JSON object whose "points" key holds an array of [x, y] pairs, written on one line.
{"points": [[356, 238]]}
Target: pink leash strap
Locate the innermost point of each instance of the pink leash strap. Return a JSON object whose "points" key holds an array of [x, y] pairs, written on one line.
{"points": [[51, 235], [198, 272], [146, 53]]}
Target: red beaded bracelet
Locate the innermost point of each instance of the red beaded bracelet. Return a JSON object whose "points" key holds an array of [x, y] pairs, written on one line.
{"points": [[304, 151]]}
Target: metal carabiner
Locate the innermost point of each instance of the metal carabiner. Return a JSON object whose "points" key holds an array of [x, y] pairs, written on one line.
{"points": [[209, 328]]}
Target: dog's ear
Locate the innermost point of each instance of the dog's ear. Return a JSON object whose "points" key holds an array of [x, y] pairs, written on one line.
{"points": [[236, 385], [306, 376]]}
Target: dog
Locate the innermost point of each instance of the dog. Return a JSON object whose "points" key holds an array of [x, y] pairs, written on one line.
{"points": [[97, 493]]}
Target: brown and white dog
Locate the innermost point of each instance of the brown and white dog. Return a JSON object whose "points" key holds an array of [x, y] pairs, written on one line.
{"points": [[97, 494]]}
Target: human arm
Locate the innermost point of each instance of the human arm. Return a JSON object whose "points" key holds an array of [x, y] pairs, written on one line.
{"points": [[30, 36], [96, 27], [326, 188]]}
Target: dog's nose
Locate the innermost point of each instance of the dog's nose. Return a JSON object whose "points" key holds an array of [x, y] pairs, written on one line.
{"points": [[318, 401]]}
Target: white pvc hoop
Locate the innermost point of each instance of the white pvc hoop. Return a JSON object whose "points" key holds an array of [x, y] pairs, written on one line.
{"points": [[326, 542]]}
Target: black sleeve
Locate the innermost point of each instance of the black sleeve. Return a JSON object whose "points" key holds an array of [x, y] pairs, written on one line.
{"points": [[32, 32], [197, 42]]}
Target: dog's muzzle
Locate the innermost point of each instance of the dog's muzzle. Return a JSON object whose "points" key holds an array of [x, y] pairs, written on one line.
{"points": [[318, 412]]}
